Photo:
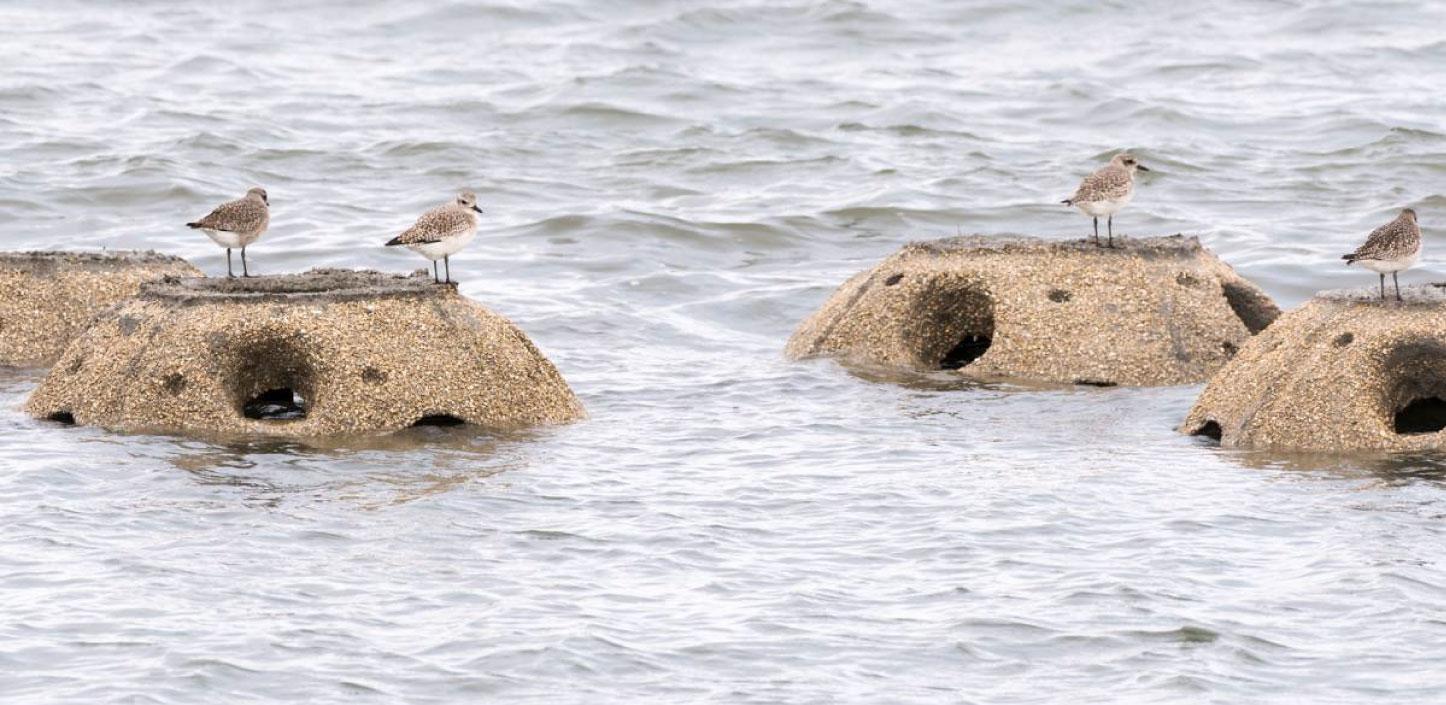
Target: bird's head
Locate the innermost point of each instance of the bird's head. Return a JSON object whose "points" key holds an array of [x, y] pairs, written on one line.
{"points": [[467, 199], [259, 194], [1128, 161]]}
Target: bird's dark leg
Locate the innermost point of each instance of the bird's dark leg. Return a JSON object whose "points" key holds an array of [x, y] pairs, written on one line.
{"points": [[436, 278], [229, 273], [447, 260], [1110, 225], [1397, 280], [244, 271], [1383, 286], [1097, 230]]}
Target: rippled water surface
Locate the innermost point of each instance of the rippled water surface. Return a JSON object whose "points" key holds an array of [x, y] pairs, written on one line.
{"points": [[670, 187]]}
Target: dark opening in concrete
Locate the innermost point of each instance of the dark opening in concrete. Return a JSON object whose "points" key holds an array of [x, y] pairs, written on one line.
{"points": [[1096, 383], [442, 420], [954, 323], [1415, 382], [971, 348], [64, 417], [1059, 296], [271, 377], [1209, 429], [1426, 415], [895, 279], [275, 405], [1250, 306], [1343, 340]]}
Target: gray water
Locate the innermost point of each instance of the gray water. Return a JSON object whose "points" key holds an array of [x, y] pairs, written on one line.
{"points": [[670, 187]]}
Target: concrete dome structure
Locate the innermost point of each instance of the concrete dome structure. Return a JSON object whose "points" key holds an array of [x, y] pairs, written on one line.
{"points": [[47, 298], [1346, 371], [1156, 311], [321, 353]]}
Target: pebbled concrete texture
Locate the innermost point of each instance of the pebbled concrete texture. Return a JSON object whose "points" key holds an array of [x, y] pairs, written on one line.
{"points": [[368, 352], [1332, 376], [48, 298], [1152, 311]]}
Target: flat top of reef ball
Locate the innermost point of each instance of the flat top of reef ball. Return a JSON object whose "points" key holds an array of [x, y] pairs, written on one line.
{"points": [[1420, 294], [314, 286], [1164, 246], [48, 262]]}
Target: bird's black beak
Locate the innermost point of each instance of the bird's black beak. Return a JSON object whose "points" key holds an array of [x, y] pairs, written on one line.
{"points": [[1142, 167], [479, 210]]}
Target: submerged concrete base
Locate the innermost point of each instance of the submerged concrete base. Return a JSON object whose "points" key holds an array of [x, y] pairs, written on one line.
{"points": [[321, 353], [47, 298], [1155, 311], [1346, 371]]}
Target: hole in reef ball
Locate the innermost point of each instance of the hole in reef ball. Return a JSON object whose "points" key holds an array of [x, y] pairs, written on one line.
{"points": [[895, 279], [64, 417], [1427, 415], [971, 348], [373, 375], [1187, 279], [1059, 296], [1229, 348], [443, 420], [75, 365], [175, 383], [276, 405], [1095, 383], [1343, 340], [1209, 429]]}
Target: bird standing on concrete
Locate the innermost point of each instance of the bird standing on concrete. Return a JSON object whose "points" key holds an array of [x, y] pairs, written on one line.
{"points": [[1390, 248], [237, 224], [1106, 191], [442, 231]]}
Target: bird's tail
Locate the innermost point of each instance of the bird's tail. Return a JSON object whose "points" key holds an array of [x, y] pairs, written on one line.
{"points": [[394, 241], [193, 226], [1350, 258], [1068, 201]]}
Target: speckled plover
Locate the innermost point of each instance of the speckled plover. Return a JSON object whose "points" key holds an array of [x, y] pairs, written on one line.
{"points": [[442, 231], [1390, 248], [1106, 191], [237, 224]]}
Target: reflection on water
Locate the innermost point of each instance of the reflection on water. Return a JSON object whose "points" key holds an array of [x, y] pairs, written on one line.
{"points": [[392, 468], [1391, 468]]}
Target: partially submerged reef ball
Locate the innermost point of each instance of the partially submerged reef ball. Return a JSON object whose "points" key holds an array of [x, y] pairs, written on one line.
{"points": [[1154, 311], [47, 298], [321, 353], [1344, 372]]}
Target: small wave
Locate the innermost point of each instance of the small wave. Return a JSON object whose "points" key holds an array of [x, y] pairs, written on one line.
{"points": [[609, 114]]}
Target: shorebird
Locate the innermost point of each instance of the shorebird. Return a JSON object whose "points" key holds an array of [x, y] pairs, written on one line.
{"points": [[1390, 248], [237, 224], [1106, 191], [442, 231]]}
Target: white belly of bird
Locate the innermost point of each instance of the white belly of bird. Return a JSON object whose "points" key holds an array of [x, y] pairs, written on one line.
{"points": [[437, 250], [1388, 266], [1102, 209], [226, 239]]}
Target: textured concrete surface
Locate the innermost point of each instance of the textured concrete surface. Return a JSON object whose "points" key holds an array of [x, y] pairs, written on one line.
{"points": [[366, 351], [1155, 311], [1333, 374], [47, 298]]}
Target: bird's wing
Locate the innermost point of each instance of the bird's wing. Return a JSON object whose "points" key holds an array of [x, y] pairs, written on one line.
{"points": [[1107, 184], [435, 225], [238, 215], [1384, 241]]}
